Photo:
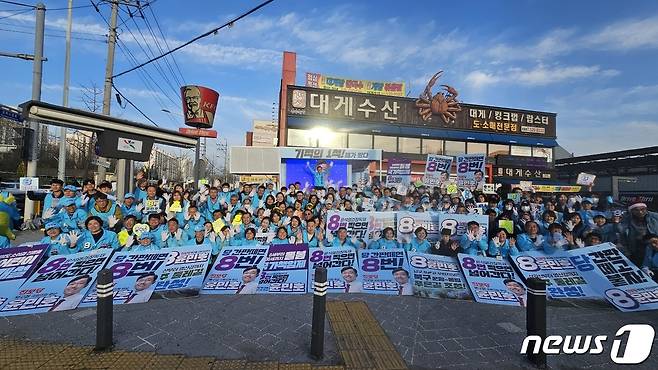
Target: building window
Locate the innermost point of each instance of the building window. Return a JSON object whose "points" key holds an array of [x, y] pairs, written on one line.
{"points": [[333, 140], [300, 138], [455, 147], [386, 143], [360, 141], [432, 146], [524, 151], [498, 149], [476, 148], [409, 145], [543, 153]]}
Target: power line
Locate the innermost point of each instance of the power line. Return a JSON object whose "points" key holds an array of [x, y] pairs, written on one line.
{"points": [[17, 13], [34, 6], [134, 106], [50, 35], [160, 49], [18, 4], [52, 29], [213, 31], [167, 44]]}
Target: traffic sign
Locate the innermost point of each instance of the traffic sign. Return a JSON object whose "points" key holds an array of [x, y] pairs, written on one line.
{"points": [[198, 132]]}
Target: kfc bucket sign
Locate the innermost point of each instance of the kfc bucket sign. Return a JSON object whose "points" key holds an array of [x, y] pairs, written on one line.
{"points": [[199, 105]]}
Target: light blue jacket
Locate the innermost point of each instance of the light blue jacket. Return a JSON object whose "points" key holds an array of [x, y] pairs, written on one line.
{"points": [[504, 250], [473, 247], [525, 243], [179, 239], [107, 240], [418, 246], [383, 243], [4, 242], [51, 202], [55, 246], [76, 221]]}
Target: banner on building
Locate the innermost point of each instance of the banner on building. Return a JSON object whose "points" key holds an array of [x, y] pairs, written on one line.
{"points": [[341, 265], [358, 86], [236, 271], [59, 284], [437, 169], [184, 269], [16, 266], [437, 276], [135, 275], [470, 171], [493, 281], [385, 271], [398, 174], [285, 269]]}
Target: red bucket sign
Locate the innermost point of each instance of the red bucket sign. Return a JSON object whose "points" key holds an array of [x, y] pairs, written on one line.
{"points": [[199, 105]]}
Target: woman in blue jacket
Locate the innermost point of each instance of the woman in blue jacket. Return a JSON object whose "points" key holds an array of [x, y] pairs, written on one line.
{"points": [[145, 243], [501, 246], [96, 237], [419, 242], [387, 241], [58, 243], [281, 236]]}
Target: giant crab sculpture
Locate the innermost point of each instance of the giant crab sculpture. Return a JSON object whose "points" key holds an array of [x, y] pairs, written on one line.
{"points": [[444, 102]]}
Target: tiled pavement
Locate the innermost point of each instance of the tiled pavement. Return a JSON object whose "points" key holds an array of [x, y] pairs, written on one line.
{"points": [[427, 333]]}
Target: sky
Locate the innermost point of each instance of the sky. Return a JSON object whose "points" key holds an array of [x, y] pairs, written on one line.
{"points": [[591, 62]]}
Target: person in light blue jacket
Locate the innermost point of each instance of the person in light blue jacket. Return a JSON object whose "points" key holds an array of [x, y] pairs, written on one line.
{"points": [[531, 240], [341, 240], [311, 235], [319, 174], [419, 242], [387, 241], [96, 237], [281, 236], [174, 236], [502, 246], [71, 217], [130, 207], [474, 240], [58, 242], [51, 202], [145, 243]]}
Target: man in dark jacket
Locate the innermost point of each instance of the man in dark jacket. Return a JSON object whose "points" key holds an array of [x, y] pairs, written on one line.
{"points": [[636, 225]]}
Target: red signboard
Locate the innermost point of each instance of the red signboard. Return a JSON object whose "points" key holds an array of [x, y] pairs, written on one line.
{"points": [[199, 105], [198, 132]]}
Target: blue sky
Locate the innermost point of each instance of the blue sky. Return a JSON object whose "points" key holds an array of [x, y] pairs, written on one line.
{"points": [[591, 62]]}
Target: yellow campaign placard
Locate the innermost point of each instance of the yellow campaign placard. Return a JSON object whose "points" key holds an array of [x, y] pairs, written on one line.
{"points": [[507, 225], [176, 206], [452, 188], [218, 224]]}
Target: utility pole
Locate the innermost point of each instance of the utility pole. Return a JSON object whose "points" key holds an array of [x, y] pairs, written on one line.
{"points": [[37, 67], [107, 88], [61, 161]]}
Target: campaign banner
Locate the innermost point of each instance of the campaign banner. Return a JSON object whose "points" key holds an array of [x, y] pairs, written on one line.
{"points": [[134, 274], [409, 222], [377, 222], [286, 269], [356, 223], [184, 269], [493, 281], [385, 272], [458, 224], [563, 277], [398, 174], [341, 265], [470, 171], [59, 284], [437, 276], [265, 238], [616, 278], [236, 271], [437, 169], [16, 265], [358, 86]]}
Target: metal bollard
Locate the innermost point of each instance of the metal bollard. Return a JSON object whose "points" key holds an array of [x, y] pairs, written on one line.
{"points": [[536, 317], [104, 310], [320, 287]]}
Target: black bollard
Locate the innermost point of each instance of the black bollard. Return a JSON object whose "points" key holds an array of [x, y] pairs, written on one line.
{"points": [[536, 317], [104, 310], [320, 287]]}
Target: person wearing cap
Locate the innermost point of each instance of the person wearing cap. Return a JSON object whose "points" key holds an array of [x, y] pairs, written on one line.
{"points": [[51, 202], [586, 212], [107, 210], [71, 217], [200, 237], [174, 236], [58, 242], [145, 243], [130, 206], [637, 223], [502, 246], [71, 192], [419, 242], [95, 237]]}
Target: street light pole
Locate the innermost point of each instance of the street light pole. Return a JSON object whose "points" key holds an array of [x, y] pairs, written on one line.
{"points": [[109, 71], [61, 161], [37, 68]]}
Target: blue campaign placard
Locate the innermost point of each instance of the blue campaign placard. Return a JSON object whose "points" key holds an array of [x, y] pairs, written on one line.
{"points": [[385, 271], [458, 224], [236, 271], [493, 281], [184, 269], [134, 274], [408, 222], [616, 278], [286, 270], [563, 278], [341, 265], [16, 265], [435, 276], [59, 284]]}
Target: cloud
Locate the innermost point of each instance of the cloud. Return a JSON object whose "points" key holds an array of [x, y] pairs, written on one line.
{"points": [[540, 75], [625, 35]]}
